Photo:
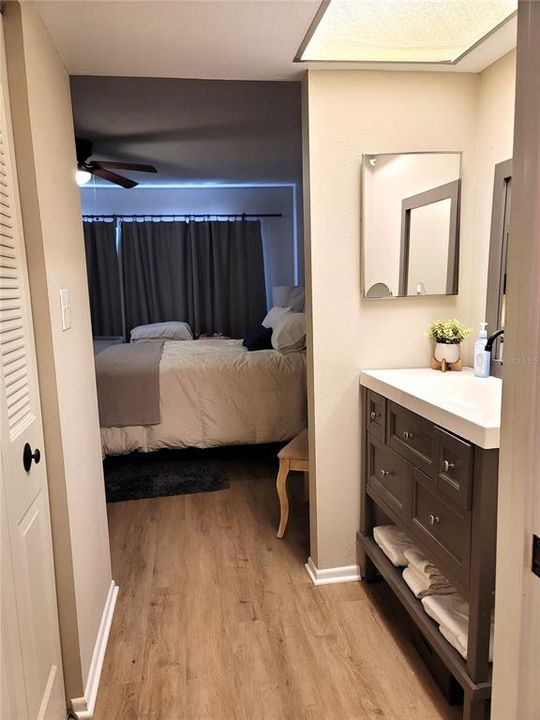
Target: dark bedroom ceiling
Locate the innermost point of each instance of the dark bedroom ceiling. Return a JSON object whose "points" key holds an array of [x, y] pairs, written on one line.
{"points": [[193, 130]]}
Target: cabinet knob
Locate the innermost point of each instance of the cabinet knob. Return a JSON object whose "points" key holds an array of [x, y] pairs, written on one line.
{"points": [[384, 473], [446, 466], [434, 519], [372, 415], [406, 435]]}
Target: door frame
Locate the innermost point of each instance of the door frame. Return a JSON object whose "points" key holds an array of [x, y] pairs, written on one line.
{"points": [[516, 665]]}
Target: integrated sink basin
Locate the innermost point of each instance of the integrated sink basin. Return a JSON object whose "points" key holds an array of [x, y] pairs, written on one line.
{"points": [[464, 404]]}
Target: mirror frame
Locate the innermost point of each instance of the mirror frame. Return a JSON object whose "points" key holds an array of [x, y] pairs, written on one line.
{"points": [[448, 191], [364, 159], [497, 258]]}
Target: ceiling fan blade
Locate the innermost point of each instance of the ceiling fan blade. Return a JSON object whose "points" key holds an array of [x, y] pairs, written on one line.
{"points": [[113, 177], [135, 167]]}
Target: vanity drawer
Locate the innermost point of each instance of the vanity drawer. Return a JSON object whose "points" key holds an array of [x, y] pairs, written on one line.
{"points": [[376, 414], [389, 476], [444, 530], [411, 436], [454, 471]]}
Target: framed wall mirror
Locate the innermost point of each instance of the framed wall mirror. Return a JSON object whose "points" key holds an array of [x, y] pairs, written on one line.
{"points": [[410, 223]]}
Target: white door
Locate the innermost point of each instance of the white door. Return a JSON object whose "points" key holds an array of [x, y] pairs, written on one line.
{"points": [[30, 635]]}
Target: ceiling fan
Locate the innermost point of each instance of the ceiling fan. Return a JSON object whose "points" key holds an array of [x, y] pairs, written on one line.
{"points": [[103, 168]]}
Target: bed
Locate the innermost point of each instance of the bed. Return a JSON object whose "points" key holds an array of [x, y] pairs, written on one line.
{"points": [[214, 392]]}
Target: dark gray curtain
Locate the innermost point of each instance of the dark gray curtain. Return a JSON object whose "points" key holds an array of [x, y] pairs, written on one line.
{"points": [[103, 277], [210, 274]]}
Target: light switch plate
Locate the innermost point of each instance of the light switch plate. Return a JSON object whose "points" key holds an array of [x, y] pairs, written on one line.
{"points": [[65, 302]]}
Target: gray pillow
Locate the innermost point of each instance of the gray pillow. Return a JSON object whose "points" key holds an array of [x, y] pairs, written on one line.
{"points": [[292, 296], [162, 331]]}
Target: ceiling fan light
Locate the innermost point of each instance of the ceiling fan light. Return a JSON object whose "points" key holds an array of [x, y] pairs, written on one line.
{"points": [[82, 177]]}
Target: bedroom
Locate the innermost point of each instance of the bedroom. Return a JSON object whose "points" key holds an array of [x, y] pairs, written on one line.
{"points": [[205, 613], [206, 243]]}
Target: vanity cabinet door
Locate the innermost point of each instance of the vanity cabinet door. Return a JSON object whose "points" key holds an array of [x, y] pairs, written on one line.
{"points": [[376, 415], [389, 480], [445, 531], [411, 436], [454, 471]]}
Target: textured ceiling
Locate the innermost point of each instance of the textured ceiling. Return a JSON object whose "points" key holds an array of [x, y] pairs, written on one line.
{"points": [[416, 30]]}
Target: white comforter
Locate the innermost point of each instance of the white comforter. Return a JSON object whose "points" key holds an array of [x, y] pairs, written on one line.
{"points": [[215, 392]]}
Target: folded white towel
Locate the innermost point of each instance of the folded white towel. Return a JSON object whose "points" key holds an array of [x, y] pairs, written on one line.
{"points": [[393, 542], [424, 566], [453, 640], [417, 584], [451, 613], [422, 586], [456, 642]]}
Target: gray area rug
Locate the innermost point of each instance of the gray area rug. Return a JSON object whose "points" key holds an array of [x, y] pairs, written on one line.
{"points": [[160, 474]]}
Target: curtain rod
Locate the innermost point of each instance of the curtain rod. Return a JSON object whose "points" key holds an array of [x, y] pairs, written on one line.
{"points": [[244, 216]]}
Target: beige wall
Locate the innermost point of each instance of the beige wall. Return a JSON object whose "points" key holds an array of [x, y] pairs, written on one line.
{"points": [[39, 87], [494, 140], [351, 112]]}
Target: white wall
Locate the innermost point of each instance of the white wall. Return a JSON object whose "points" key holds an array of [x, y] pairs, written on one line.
{"points": [[282, 237], [350, 113], [43, 131]]}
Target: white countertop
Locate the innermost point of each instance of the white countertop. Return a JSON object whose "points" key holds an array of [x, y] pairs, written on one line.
{"points": [[458, 401]]}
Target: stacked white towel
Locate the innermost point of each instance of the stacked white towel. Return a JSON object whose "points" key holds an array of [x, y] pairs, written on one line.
{"points": [[393, 542], [451, 612], [423, 577]]}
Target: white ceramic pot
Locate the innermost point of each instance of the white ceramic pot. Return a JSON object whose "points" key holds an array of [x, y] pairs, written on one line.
{"points": [[449, 352]]}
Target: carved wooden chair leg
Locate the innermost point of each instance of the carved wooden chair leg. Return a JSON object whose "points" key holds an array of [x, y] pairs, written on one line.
{"points": [[281, 487]]}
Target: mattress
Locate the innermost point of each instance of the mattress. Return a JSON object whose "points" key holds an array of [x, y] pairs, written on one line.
{"points": [[214, 392]]}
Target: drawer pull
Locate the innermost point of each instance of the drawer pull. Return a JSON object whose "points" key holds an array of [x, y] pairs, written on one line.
{"points": [[384, 473], [372, 415], [446, 466], [406, 435], [434, 519]]}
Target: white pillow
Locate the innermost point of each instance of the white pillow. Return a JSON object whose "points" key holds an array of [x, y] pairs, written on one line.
{"points": [[293, 295], [162, 331], [275, 314], [289, 333]]}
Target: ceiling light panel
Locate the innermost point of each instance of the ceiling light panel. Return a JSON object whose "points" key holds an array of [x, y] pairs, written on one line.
{"points": [[416, 31]]}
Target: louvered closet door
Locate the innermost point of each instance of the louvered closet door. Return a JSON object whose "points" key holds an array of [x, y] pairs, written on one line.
{"points": [[25, 512]]}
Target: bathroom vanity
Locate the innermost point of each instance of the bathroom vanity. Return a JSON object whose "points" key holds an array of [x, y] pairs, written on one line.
{"points": [[430, 463]]}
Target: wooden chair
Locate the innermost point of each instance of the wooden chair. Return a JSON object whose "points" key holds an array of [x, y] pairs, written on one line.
{"points": [[294, 456]]}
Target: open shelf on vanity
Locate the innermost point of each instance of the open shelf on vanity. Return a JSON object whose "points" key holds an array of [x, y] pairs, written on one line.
{"points": [[415, 609]]}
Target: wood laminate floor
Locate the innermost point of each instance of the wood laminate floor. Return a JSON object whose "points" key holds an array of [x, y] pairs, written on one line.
{"points": [[217, 619]]}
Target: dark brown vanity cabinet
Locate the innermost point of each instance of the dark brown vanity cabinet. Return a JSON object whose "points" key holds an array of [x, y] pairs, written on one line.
{"points": [[442, 491]]}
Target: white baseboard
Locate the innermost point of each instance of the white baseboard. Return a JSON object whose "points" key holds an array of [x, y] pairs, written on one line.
{"points": [[327, 576], [83, 707]]}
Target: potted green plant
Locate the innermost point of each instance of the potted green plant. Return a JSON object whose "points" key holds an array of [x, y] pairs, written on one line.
{"points": [[447, 336]]}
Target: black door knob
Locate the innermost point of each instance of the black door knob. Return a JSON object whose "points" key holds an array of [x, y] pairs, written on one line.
{"points": [[28, 456]]}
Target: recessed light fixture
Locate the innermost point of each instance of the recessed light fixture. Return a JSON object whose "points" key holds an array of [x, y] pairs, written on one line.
{"points": [[415, 31]]}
